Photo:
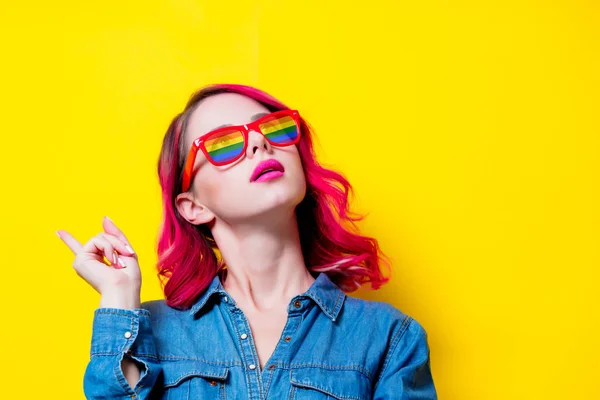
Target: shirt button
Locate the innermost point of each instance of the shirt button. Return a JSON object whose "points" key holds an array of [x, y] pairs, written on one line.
{"points": [[225, 299], [213, 383], [251, 366], [288, 338], [297, 304], [127, 335], [243, 336], [272, 366]]}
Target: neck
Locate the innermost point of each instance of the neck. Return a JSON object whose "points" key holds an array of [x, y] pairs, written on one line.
{"points": [[265, 265]]}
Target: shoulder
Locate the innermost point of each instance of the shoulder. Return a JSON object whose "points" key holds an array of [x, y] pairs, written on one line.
{"points": [[159, 310], [372, 309], [383, 317], [154, 306]]}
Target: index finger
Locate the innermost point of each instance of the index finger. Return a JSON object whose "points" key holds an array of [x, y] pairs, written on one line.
{"points": [[70, 241]]}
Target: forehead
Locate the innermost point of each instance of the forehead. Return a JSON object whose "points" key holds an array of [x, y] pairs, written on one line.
{"points": [[221, 109]]}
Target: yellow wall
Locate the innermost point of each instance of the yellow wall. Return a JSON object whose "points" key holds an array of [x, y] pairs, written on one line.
{"points": [[470, 130]]}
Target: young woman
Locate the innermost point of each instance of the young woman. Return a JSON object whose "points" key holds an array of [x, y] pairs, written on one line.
{"points": [[256, 252]]}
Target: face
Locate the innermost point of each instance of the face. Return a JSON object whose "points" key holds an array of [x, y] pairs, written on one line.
{"points": [[227, 193]]}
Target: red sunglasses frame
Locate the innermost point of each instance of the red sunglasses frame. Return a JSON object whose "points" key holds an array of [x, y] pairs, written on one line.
{"points": [[199, 143]]}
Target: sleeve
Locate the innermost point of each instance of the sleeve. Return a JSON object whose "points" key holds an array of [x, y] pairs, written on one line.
{"points": [[119, 333], [406, 372]]}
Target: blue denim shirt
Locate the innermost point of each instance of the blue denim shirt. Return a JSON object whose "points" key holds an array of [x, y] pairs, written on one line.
{"points": [[333, 346]]}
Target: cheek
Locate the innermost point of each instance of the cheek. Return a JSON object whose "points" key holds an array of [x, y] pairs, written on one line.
{"points": [[218, 188], [208, 188], [296, 183], [298, 165]]}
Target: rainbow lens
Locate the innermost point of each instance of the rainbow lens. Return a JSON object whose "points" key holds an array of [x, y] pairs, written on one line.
{"points": [[225, 146], [280, 131]]}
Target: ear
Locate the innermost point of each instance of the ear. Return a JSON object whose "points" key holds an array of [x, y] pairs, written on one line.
{"points": [[192, 210]]}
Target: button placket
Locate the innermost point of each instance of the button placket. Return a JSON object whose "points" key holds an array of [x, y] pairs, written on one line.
{"points": [[282, 348], [248, 349], [250, 357]]}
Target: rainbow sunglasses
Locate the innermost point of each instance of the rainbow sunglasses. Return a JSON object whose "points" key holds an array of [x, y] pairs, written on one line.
{"points": [[226, 145]]}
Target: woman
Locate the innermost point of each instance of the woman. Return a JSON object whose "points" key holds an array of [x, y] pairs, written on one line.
{"points": [[257, 249]]}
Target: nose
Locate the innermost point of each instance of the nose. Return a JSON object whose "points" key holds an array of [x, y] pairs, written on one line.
{"points": [[257, 142]]}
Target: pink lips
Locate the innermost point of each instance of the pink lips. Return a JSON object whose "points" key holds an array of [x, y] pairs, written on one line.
{"points": [[266, 170]]}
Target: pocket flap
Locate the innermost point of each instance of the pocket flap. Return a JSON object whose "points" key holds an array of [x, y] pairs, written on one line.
{"points": [[343, 384], [175, 372]]}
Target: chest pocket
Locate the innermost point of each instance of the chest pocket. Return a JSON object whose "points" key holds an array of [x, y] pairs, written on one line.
{"points": [[183, 380], [314, 383]]}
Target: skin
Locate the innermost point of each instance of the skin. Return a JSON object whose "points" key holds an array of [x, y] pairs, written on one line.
{"points": [[253, 223]]}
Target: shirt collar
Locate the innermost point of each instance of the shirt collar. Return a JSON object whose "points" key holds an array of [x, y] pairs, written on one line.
{"points": [[328, 296]]}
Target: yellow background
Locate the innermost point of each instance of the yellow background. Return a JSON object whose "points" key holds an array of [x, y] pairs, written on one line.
{"points": [[469, 129]]}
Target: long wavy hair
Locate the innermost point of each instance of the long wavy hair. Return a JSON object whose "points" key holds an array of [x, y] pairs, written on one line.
{"points": [[188, 256]]}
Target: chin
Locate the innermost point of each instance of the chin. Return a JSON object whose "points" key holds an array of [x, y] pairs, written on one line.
{"points": [[284, 200], [280, 200]]}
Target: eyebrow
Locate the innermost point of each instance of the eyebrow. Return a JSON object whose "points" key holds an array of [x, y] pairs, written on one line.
{"points": [[253, 118]]}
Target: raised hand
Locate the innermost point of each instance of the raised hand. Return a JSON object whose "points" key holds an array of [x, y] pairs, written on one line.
{"points": [[119, 279]]}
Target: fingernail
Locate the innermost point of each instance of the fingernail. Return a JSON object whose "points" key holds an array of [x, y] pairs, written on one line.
{"points": [[114, 258], [106, 216], [122, 263], [128, 247], [58, 234]]}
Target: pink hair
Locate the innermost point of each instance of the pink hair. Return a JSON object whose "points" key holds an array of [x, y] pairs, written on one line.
{"points": [[187, 253]]}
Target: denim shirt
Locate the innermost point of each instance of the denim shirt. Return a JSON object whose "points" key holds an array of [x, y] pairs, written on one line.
{"points": [[333, 346]]}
